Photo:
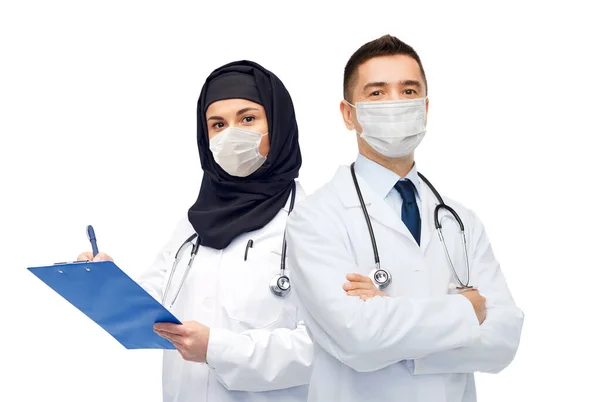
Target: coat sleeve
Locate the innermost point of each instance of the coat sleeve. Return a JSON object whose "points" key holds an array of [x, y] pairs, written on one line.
{"points": [[261, 360], [500, 332], [371, 335]]}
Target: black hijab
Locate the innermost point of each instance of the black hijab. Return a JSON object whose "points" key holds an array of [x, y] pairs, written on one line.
{"points": [[228, 206]]}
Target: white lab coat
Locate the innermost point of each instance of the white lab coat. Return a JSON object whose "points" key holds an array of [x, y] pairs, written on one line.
{"points": [[258, 350], [420, 344]]}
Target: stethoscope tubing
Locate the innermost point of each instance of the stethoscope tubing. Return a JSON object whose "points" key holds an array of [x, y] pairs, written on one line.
{"points": [[441, 206], [196, 245]]}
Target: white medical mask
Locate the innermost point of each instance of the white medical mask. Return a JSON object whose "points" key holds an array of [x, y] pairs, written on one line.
{"points": [[236, 151], [393, 128]]}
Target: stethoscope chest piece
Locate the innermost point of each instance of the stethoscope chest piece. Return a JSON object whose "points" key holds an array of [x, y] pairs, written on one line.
{"points": [[280, 285], [381, 278]]}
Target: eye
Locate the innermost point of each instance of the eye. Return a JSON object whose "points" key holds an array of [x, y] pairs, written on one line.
{"points": [[218, 125], [248, 119], [375, 93], [410, 92]]}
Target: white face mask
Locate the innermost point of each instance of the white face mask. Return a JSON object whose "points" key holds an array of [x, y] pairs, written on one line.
{"points": [[236, 151], [393, 128]]}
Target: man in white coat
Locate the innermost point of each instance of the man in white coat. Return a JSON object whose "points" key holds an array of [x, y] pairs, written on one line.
{"points": [[423, 336]]}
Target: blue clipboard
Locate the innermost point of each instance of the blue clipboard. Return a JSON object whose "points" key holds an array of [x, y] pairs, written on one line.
{"points": [[113, 300]]}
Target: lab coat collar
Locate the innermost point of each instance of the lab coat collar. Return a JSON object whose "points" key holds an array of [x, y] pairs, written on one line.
{"points": [[300, 196], [379, 210]]}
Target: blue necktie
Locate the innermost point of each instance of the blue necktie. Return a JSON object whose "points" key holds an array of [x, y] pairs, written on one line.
{"points": [[410, 209]]}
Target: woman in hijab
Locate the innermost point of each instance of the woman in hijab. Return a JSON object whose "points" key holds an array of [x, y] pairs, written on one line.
{"points": [[239, 341]]}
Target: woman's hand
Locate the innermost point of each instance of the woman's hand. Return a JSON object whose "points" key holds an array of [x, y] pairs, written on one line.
{"points": [[88, 256], [190, 338]]}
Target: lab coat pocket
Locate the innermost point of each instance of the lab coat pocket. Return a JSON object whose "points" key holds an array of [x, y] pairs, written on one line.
{"points": [[248, 298]]}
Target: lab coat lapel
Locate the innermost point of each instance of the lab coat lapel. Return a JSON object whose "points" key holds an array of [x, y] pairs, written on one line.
{"points": [[428, 203], [380, 211], [377, 208]]}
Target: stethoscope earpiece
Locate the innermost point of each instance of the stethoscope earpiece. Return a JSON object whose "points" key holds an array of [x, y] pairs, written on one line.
{"points": [[280, 285]]}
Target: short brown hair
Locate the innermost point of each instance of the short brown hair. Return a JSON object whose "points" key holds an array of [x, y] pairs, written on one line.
{"points": [[387, 45]]}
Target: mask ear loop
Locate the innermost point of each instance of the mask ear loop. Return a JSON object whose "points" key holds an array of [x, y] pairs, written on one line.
{"points": [[258, 146], [349, 104]]}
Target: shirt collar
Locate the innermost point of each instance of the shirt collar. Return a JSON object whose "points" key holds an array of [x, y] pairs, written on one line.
{"points": [[382, 180]]}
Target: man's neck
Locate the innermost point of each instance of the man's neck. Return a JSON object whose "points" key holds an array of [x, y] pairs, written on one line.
{"points": [[400, 166]]}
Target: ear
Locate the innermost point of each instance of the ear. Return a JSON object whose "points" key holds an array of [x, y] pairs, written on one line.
{"points": [[426, 110], [347, 112]]}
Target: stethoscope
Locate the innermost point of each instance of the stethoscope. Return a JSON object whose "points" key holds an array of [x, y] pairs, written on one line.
{"points": [[382, 277], [280, 284]]}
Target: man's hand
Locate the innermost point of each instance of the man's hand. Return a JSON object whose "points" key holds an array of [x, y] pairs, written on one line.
{"points": [[478, 302], [190, 338], [88, 256], [362, 286]]}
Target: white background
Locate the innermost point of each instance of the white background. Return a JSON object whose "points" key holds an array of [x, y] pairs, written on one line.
{"points": [[98, 126]]}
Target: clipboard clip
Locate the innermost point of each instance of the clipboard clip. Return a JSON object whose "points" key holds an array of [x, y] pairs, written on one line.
{"points": [[71, 262], [60, 271]]}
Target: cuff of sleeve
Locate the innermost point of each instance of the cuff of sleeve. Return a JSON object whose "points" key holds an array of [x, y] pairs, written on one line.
{"points": [[470, 328], [219, 347], [471, 322]]}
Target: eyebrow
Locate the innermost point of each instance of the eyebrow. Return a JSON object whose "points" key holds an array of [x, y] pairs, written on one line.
{"points": [[240, 112], [244, 110], [374, 85], [411, 83], [380, 84]]}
